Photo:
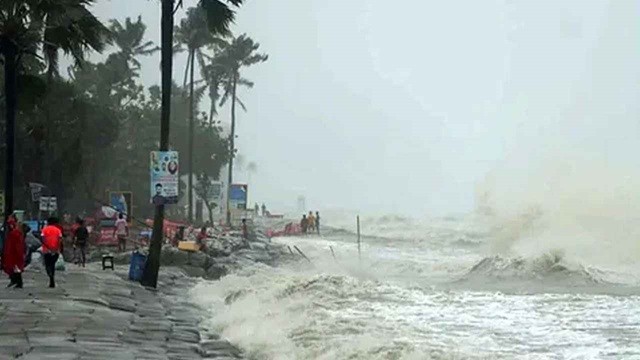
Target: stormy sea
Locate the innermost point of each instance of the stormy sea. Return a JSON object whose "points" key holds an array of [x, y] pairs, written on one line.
{"points": [[533, 286]]}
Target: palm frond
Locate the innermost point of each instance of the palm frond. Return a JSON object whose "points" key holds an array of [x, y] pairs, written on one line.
{"points": [[246, 82], [74, 30], [219, 15], [241, 104], [225, 96]]}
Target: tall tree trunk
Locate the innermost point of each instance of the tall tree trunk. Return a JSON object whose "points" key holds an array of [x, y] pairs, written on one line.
{"points": [[211, 107], [152, 266], [191, 121], [210, 211], [232, 142], [186, 71], [10, 90]]}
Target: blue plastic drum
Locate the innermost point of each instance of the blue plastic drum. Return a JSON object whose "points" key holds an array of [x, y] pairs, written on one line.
{"points": [[136, 267]]}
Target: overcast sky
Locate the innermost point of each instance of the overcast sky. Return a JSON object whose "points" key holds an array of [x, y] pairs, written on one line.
{"points": [[379, 108]]}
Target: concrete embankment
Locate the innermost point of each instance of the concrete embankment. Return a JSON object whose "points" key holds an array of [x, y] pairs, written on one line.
{"points": [[96, 314], [100, 314]]}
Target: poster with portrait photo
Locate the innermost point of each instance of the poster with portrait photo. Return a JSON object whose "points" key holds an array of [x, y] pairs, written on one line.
{"points": [[165, 175]]}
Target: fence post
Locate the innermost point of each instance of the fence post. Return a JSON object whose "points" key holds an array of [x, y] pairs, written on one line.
{"points": [[358, 225]]}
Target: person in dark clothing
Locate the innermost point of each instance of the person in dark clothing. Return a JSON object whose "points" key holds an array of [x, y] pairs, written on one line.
{"points": [[81, 238], [245, 230], [304, 224], [318, 222], [158, 199]]}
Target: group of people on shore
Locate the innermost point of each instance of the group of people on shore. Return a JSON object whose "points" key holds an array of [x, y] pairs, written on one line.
{"points": [[310, 223], [20, 243], [257, 209]]}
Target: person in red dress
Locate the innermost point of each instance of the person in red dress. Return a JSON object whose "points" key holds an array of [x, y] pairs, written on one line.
{"points": [[13, 253]]}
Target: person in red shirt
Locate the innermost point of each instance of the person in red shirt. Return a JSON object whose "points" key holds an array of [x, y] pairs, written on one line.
{"points": [[51, 247], [200, 239], [13, 253]]}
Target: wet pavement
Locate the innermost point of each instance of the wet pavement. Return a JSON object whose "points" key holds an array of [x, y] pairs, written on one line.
{"points": [[96, 314]]}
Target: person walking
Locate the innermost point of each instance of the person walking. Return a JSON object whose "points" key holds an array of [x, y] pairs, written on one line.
{"points": [[31, 243], [51, 248], [318, 222], [122, 232], [13, 253], [80, 240]]}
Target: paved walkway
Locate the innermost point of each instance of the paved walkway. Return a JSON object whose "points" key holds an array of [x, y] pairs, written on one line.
{"points": [[95, 314]]}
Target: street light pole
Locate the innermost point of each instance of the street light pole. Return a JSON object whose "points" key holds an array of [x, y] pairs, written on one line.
{"points": [[10, 64], [152, 266]]}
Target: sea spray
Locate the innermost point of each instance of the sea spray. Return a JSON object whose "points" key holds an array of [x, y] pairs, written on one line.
{"points": [[586, 207]]}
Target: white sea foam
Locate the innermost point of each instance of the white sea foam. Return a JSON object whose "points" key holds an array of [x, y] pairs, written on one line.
{"points": [[411, 299]]}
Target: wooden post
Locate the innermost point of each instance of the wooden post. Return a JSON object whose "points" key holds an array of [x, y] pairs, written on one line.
{"points": [[301, 253], [358, 224], [332, 253]]}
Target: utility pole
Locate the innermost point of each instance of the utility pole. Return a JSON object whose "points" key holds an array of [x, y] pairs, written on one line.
{"points": [[152, 266], [358, 225], [191, 121], [10, 64]]}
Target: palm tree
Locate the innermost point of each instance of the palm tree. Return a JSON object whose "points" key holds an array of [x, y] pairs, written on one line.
{"points": [[41, 29], [219, 17], [241, 52], [195, 34], [129, 37]]}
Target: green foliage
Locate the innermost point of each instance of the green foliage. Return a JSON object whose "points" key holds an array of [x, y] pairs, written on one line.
{"points": [[219, 15], [51, 26], [241, 52], [92, 132], [205, 191]]}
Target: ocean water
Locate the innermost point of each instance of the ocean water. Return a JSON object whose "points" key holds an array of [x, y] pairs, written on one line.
{"points": [[435, 289]]}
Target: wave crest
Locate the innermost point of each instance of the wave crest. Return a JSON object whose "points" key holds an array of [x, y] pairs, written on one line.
{"points": [[550, 267]]}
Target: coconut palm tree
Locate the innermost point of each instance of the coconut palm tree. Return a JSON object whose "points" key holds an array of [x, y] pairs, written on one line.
{"points": [[219, 15], [241, 52], [40, 29], [194, 34], [129, 37]]}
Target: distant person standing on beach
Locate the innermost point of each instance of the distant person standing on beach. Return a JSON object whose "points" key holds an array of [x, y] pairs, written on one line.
{"points": [[13, 253], [264, 209], [311, 220], [318, 222], [256, 209], [304, 223], [245, 230], [122, 231], [51, 247]]}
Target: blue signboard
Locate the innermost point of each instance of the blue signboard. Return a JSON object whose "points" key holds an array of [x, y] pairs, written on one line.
{"points": [[238, 198]]}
